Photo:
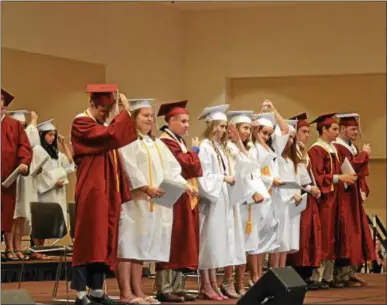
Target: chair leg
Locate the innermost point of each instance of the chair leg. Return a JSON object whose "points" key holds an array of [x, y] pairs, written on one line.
{"points": [[21, 274], [66, 278], [57, 278], [198, 279]]}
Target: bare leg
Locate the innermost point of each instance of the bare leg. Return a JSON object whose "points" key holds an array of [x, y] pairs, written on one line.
{"points": [[8, 236], [261, 259], [123, 272], [253, 267], [228, 287], [214, 283], [206, 290], [18, 236], [240, 279], [274, 259], [136, 275], [283, 256]]}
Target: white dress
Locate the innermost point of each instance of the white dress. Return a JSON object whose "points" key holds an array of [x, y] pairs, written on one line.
{"points": [[246, 170], [145, 229], [26, 191], [289, 229], [52, 171]]}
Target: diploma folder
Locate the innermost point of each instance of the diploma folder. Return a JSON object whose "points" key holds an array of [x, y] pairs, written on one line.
{"points": [[173, 191], [294, 209], [346, 167], [290, 185], [11, 178], [40, 157]]}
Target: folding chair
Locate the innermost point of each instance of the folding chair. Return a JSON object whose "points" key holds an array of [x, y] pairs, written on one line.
{"points": [[47, 222], [71, 211]]}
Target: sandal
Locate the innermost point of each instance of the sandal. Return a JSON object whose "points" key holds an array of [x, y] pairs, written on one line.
{"points": [[21, 256], [133, 301], [215, 287], [11, 256], [151, 300]]}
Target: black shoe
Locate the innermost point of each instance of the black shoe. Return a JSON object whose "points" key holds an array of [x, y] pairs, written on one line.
{"points": [[169, 298], [187, 296], [324, 285], [335, 284], [104, 300], [314, 285], [85, 301]]}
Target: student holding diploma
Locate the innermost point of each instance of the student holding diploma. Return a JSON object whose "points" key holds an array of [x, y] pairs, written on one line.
{"points": [[308, 256], [325, 164], [184, 254], [246, 196], [145, 227], [16, 154], [356, 236], [26, 191]]}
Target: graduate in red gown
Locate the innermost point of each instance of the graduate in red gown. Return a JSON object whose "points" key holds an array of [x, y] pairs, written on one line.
{"points": [[309, 255], [356, 237], [325, 164], [100, 190], [15, 152], [185, 231]]}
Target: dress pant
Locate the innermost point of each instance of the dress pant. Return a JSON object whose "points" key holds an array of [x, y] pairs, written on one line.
{"points": [[89, 275], [169, 281], [324, 272]]}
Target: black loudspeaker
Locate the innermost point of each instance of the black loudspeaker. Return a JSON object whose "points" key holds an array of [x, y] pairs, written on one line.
{"points": [[13, 297], [278, 286]]}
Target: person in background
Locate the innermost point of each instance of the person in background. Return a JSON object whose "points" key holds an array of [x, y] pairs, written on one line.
{"points": [[16, 152], [379, 264], [25, 189], [184, 256], [100, 189]]}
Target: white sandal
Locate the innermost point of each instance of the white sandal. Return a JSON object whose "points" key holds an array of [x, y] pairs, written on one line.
{"points": [[151, 300]]}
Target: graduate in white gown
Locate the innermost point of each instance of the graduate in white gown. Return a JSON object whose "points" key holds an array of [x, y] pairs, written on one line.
{"points": [[289, 170], [246, 194], [51, 182], [25, 189], [270, 135], [215, 250], [145, 227]]}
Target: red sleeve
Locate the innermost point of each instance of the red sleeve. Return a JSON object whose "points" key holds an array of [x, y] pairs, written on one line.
{"points": [[189, 162], [320, 166], [89, 137], [24, 150], [360, 164]]}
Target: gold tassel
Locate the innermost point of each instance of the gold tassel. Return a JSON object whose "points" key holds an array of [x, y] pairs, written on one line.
{"points": [[194, 199], [152, 207], [265, 171], [249, 226]]}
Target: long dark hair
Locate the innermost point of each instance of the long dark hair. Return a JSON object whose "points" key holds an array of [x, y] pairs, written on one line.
{"points": [[268, 143], [291, 152], [52, 149]]}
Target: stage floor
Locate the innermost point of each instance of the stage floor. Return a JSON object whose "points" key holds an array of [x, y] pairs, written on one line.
{"points": [[373, 293]]}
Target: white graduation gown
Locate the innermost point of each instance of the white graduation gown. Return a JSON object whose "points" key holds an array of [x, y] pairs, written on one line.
{"points": [[146, 235], [289, 228], [26, 191], [247, 183], [52, 171]]}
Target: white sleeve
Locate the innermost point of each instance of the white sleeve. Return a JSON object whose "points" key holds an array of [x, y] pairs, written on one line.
{"points": [[47, 179], [64, 162], [279, 140], [210, 184], [130, 167], [33, 135]]}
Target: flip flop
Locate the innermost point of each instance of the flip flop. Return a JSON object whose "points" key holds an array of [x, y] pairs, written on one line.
{"points": [[21, 256], [11, 256], [151, 300]]}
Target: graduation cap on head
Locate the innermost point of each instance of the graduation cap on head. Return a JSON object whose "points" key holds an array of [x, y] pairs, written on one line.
{"points": [[325, 119], [136, 104], [98, 92], [301, 120], [170, 110], [236, 117], [7, 97], [214, 113], [266, 119], [348, 119], [19, 115], [46, 125]]}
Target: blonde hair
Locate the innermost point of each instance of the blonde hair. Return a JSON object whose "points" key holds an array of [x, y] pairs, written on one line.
{"points": [[209, 131], [135, 114]]}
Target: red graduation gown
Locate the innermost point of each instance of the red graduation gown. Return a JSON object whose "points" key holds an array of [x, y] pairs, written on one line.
{"points": [[356, 235], [15, 150], [309, 254], [101, 187], [328, 202], [185, 229]]}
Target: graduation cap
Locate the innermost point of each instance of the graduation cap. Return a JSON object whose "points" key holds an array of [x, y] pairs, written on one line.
{"points": [[266, 119], [7, 97], [301, 120], [19, 115], [292, 125], [348, 119], [236, 117], [46, 125], [325, 119], [170, 110], [99, 91], [214, 113], [136, 104]]}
